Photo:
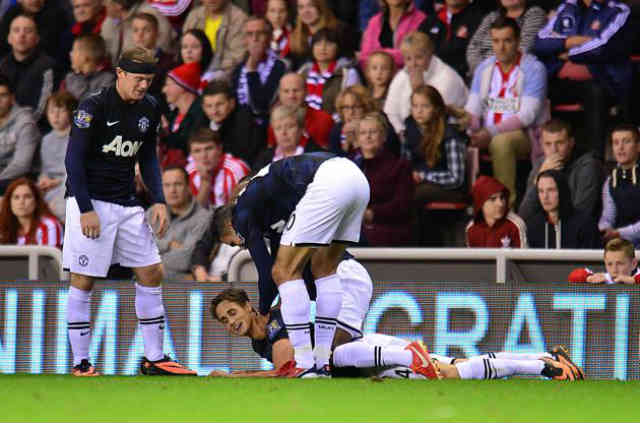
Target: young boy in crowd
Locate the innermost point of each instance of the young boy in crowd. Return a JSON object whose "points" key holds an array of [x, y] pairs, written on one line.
{"points": [[621, 192], [90, 68], [51, 181], [620, 262], [144, 31]]}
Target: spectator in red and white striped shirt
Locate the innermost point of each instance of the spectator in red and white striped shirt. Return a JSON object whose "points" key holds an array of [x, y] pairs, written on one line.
{"points": [[25, 218], [212, 173]]}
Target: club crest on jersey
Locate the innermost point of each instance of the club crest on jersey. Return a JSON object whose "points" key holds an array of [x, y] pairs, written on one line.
{"points": [[143, 124], [83, 119]]}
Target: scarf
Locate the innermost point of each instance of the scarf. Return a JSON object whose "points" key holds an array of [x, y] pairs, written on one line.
{"points": [[280, 40], [264, 70], [315, 84]]}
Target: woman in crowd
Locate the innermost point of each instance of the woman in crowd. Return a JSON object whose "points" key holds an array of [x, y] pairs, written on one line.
{"points": [[195, 47], [278, 16], [25, 218], [387, 220], [352, 104], [288, 127], [530, 18]]}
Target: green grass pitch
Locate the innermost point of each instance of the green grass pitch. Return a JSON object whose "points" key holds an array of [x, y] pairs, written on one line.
{"points": [[157, 399]]}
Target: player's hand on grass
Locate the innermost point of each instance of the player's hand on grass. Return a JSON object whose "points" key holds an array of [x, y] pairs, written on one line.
{"points": [[159, 219], [90, 223], [597, 278]]}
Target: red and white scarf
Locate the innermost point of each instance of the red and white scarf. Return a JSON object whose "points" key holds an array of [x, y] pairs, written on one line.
{"points": [[315, 84]]}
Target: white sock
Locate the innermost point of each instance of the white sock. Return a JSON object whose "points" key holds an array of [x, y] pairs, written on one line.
{"points": [[516, 356], [79, 323], [494, 368], [361, 354], [150, 312], [328, 304], [296, 310]]}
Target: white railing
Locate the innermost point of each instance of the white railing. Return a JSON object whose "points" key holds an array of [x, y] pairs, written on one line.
{"points": [[33, 254], [501, 256]]}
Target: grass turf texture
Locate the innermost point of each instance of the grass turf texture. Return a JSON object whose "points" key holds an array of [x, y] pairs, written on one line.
{"points": [[159, 399]]}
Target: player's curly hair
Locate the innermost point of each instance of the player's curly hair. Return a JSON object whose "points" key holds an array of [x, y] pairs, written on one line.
{"points": [[233, 295]]}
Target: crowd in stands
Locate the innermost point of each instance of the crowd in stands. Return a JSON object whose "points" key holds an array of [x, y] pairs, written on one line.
{"points": [[513, 116]]}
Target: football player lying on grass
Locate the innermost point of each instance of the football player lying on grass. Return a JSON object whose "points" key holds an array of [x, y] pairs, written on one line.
{"points": [[376, 354]]}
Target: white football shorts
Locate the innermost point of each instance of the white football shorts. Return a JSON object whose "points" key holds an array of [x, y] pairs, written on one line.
{"points": [[357, 289]]}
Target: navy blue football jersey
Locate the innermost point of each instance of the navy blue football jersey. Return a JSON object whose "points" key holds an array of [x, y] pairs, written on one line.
{"points": [[107, 137], [276, 331]]}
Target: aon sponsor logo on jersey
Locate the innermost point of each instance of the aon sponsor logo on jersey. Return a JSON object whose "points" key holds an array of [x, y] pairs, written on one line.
{"points": [[122, 148]]}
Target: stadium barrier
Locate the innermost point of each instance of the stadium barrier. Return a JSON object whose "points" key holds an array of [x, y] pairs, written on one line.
{"points": [[37, 262], [456, 264], [599, 324]]}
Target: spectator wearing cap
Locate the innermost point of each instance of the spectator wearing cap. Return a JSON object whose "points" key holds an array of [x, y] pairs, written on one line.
{"points": [[31, 73], [181, 91], [117, 31], [51, 22], [493, 224], [255, 80], [89, 70], [19, 137]]}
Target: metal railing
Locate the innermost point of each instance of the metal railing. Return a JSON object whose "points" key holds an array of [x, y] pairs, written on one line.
{"points": [[33, 254], [503, 257]]}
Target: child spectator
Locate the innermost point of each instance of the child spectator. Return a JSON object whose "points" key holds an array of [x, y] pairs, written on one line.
{"points": [[378, 72], [144, 31], [494, 225], [212, 173], [437, 149], [53, 149], [329, 73], [195, 47], [90, 71], [556, 223], [621, 193], [278, 15], [620, 262], [25, 218]]}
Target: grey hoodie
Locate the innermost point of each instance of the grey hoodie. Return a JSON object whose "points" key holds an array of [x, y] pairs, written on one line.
{"points": [[19, 138], [585, 176]]}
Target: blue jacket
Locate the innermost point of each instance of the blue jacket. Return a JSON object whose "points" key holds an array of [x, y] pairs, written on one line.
{"points": [[606, 56]]}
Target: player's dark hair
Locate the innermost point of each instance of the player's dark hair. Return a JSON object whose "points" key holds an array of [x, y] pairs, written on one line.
{"points": [[181, 169], [626, 127], [553, 126], [502, 22], [222, 217], [204, 135], [219, 86], [4, 82], [233, 295]]}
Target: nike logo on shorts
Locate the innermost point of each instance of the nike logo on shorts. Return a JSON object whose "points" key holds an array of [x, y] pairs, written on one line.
{"points": [[84, 333], [112, 123]]}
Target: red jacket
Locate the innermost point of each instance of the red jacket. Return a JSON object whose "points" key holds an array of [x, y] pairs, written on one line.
{"points": [[317, 125]]}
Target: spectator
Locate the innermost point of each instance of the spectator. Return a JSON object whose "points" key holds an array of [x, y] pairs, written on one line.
{"points": [[223, 24], [620, 262], [451, 29], [421, 67], [292, 91], [621, 192], [176, 11], [507, 99], [88, 15], [564, 226], [288, 127], [50, 21], [187, 223], [19, 137], [352, 104], [493, 224], [32, 74], [314, 15], [25, 218], [186, 115], [53, 173], [530, 19], [278, 16], [117, 31], [584, 172], [586, 47], [195, 47], [386, 30], [386, 220], [210, 259], [328, 73], [378, 73], [241, 136], [255, 80], [213, 174], [144, 32], [437, 149], [89, 70]]}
